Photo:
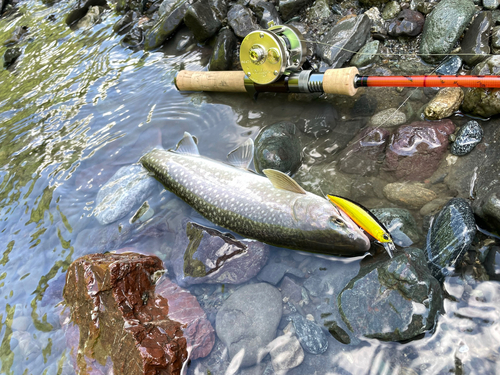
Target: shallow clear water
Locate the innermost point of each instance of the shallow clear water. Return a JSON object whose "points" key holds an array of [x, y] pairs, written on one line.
{"points": [[75, 108]]}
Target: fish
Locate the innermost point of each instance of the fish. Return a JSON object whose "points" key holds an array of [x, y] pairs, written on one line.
{"points": [[273, 209], [366, 220]]}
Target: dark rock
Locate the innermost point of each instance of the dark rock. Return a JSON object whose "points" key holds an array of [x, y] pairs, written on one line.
{"points": [[241, 20], [277, 146], [201, 21], [495, 40], [266, 12], [248, 321], [344, 39], [126, 22], [219, 7], [444, 26], [391, 299], [416, 150], [128, 188], [222, 55], [166, 25], [134, 38], [184, 308], [365, 153], [450, 236], [10, 56], [318, 120], [206, 255], [112, 301], [400, 223], [273, 272], [310, 335], [492, 263], [364, 106], [371, 3], [450, 66], [80, 9], [123, 6], [479, 101], [467, 138], [184, 42], [16, 36], [476, 42], [407, 23], [289, 8]]}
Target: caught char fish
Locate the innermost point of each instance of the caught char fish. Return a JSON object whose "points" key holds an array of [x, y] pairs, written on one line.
{"points": [[274, 210]]}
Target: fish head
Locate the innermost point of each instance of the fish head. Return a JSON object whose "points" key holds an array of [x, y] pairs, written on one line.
{"points": [[331, 227]]}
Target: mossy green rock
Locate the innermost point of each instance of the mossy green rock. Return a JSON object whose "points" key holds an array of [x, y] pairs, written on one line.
{"points": [[391, 299], [366, 55], [443, 27], [166, 26], [222, 55]]}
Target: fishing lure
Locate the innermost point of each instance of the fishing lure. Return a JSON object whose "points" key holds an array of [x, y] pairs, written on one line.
{"points": [[366, 220]]}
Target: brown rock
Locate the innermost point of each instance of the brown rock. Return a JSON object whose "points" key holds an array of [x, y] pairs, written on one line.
{"points": [[443, 105], [120, 319], [412, 195], [415, 150]]}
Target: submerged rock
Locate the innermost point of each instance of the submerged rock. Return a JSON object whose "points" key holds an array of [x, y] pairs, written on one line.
{"points": [[450, 236], [166, 25], [411, 195], [444, 26], [415, 150], [443, 105], [222, 55], [475, 45], [112, 301], [10, 56], [247, 321], [241, 20], [311, 336], [392, 299], [128, 188], [400, 224], [92, 17], [450, 66], [80, 9], [126, 22], [278, 146], [467, 138], [388, 118], [16, 36], [286, 353], [206, 255], [343, 40]]}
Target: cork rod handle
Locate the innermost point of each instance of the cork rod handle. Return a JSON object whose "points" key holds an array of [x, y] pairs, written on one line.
{"points": [[340, 81], [230, 81]]}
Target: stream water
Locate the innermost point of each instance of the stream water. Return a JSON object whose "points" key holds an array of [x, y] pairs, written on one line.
{"points": [[75, 108]]}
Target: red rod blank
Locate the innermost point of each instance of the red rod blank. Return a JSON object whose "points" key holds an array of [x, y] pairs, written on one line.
{"points": [[430, 81]]}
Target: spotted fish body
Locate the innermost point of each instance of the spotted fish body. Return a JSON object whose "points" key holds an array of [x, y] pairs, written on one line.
{"points": [[250, 205]]}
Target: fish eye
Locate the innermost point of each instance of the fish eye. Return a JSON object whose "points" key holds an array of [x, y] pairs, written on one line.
{"points": [[337, 221], [386, 237]]}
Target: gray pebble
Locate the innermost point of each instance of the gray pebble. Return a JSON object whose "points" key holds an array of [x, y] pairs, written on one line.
{"points": [[467, 138]]}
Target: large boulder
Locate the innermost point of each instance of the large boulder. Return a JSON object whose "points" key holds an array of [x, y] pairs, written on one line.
{"points": [[166, 25]]}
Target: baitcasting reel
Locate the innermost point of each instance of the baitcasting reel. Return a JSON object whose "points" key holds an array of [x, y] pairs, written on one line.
{"points": [[266, 55]]}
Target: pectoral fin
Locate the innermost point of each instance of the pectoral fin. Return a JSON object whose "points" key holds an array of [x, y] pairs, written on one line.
{"points": [[283, 181], [187, 145], [242, 156]]}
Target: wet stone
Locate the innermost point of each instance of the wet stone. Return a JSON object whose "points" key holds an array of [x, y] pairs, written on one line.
{"points": [[166, 25], [128, 188], [467, 138], [407, 23], [10, 56], [343, 40], [201, 20], [133, 39], [450, 66], [286, 352], [112, 298], [266, 12], [444, 26], [366, 55], [495, 39], [443, 105], [411, 195], [16, 36], [391, 10], [92, 17], [277, 146], [365, 106], [320, 10], [392, 299], [290, 8], [365, 153], [450, 236], [125, 22], [400, 224], [388, 118], [80, 9], [273, 272], [222, 55], [415, 150], [310, 335], [206, 255], [475, 45], [248, 320], [241, 20], [491, 4], [219, 7]]}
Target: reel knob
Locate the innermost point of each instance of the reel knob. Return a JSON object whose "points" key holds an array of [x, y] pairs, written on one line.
{"points": [[265, 55]]}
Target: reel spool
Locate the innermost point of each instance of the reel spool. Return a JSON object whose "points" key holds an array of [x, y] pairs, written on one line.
{"points": [[265, 55]]}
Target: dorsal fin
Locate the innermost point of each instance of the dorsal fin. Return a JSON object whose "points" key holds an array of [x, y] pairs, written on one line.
{"points": [[187, 145], [283, 181], [241, 157]]}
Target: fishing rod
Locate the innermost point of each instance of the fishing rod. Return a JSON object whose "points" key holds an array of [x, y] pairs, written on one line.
{"points": [[272, 62]]}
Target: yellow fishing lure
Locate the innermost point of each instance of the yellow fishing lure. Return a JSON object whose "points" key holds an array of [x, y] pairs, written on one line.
{"points": [[366, 220]]}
